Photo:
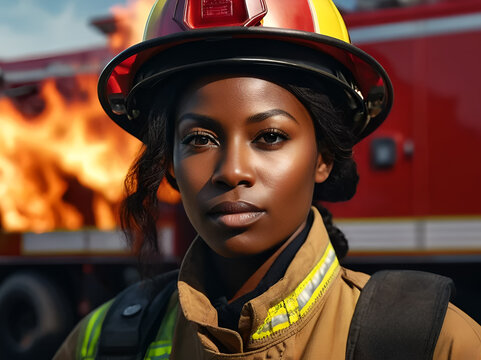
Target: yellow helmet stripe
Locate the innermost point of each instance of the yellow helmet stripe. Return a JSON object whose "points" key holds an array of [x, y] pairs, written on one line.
{"points": [[329, 20]]}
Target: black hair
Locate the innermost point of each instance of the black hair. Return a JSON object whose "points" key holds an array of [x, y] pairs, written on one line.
{"points": [[139, 210]]}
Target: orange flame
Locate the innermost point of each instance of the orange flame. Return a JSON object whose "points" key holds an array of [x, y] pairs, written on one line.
{"points": [[70, 146], [67, 139]]}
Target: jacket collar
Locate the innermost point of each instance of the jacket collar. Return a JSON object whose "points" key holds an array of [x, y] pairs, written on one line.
{"points": [[282, 306]]}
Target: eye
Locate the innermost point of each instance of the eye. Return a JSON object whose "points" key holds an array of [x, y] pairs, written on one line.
{"points": [[199, 139], [271, 137]]}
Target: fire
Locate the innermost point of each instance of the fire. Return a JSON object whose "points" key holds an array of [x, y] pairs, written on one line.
{"points": [[70, 144], [66, 140], [63, 167]]}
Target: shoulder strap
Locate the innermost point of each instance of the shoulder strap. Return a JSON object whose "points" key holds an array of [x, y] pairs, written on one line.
{"points": [[132, 320], [90, 332], [399, 316]]}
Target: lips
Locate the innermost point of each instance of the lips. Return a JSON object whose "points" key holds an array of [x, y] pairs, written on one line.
{"points": [[236, 214]]}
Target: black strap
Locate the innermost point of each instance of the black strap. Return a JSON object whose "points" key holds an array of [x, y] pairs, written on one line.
{"points": [[399, 316], [131, 322]]}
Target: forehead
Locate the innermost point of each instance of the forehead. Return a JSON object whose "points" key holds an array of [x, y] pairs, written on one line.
{"points": [[240, 93]]}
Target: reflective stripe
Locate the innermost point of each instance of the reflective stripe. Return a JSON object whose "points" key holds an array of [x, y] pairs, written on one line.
{"points": [[298, 303], [158, 349], [413, 234], [92, 332], [416, 28], [162, 346]]}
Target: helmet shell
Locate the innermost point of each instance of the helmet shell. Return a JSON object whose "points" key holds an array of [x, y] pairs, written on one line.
{"points": [[306, 36]]}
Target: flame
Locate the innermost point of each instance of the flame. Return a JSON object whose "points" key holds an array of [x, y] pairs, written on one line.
{"points": [[64, 166], [67, 140]]}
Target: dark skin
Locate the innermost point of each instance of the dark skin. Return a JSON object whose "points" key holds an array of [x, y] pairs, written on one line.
{"points": [[246, 161]]}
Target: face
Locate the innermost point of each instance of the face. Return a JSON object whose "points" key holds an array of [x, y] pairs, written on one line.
{"points": [[246, 161]]}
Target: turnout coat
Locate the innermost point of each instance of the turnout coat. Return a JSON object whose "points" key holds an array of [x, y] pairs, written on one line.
{"points": [[305, 315]]}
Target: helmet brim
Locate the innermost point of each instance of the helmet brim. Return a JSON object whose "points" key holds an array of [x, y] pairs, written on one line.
{"points": [[371, 84]]}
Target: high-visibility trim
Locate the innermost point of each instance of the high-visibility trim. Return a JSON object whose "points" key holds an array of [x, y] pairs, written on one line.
{"points": [[412, 29], [413, 234], [299, 302], [92, 332], [162, 346], [159, 350]]}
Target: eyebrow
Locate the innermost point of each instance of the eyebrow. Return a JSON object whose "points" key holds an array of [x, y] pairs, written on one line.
{"points": [[194, 116], [251, 119], [269, 113]]}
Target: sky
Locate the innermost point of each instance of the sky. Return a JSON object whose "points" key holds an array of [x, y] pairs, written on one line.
{"points": [[31, 27]]}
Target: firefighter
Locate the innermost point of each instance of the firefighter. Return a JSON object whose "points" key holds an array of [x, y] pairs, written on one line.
{"points": [[250, 109]]}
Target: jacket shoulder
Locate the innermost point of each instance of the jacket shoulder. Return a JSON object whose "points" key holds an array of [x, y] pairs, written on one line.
{"points": [[68, 349], [460, 337], [82, 340], [354, 278]]}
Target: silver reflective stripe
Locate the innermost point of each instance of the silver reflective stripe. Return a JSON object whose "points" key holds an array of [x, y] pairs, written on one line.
{"points": [[276, 320], [316, 280], [279, 319], [415, 28]]}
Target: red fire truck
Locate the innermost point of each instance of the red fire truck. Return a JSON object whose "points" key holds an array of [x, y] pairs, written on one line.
{"points": [[418, 203]]}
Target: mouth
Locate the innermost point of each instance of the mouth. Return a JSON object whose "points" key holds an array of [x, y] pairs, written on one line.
{"points": [[237, 214]]}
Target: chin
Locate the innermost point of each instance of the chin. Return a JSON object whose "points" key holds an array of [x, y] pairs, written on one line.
{"points": [[240, 246]]}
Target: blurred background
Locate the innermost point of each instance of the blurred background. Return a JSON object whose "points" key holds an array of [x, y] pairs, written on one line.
{"points": [[62, 161]]}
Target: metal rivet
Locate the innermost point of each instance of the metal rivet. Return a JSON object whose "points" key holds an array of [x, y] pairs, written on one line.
{"points": [[132, 310]]}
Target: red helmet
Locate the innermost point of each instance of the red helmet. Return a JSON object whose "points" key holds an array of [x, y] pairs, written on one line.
{"points": [[298, 36]]}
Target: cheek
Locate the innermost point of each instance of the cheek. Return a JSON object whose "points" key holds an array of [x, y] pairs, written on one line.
{"points": [[292, 171], [191, 174]]}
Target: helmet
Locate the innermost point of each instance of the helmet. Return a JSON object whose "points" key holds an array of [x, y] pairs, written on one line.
{"points": [[305, 37]]}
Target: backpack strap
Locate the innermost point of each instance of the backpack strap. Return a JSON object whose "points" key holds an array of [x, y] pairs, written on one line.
{"points": [[399, 316], [90, 332], [132, 321]]}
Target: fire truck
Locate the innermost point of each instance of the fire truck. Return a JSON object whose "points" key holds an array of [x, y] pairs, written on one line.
{"points": [[418, 204]]}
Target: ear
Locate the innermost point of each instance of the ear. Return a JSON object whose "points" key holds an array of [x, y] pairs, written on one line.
{"points": [[323, 169], [170, 170], [170, 176]]}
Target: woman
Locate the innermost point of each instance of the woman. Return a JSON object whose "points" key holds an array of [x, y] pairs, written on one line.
{"points": [[251, 124]]}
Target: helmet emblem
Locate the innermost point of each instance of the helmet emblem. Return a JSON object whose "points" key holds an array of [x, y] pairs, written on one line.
{"points": [[196, 14]]}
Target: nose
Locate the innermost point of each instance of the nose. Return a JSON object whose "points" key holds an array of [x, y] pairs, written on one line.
{"points": [[235, 166]]}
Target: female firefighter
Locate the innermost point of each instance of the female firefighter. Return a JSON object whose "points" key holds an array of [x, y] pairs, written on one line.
{"points": [[250, 108]]}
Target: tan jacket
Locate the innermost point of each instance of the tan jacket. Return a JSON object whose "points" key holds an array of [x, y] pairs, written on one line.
{"points": [[277, 325]]}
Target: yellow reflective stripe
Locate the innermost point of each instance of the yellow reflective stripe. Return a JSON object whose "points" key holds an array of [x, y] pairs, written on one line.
{"points": [[162, 346], [92, 331], [298, 303], [159, 350]]}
